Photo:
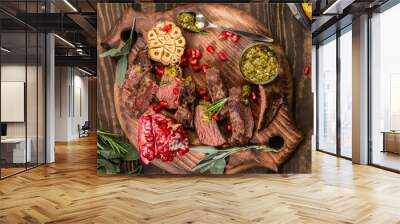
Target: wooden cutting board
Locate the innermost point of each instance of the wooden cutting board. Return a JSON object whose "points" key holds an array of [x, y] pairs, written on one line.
{"points": [[220, 14]]}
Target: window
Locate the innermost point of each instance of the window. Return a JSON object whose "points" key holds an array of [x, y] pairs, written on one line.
{"points": [[346, 93], [326, 137], [385, 89]]}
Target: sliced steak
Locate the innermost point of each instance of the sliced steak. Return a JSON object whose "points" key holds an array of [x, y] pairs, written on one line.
{"points": [[215, 84], [208, 131], [216, 88], [263, 107], [240, 117], [169, 91], [184, 114], [138, 90]]}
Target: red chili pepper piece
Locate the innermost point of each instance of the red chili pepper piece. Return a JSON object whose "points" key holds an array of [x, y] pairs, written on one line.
{"points": [[307, 70], [222, 56], [178, 80], [207, 98], [210, 49], [204, 68], [235, 38], [253, 96], [222, 36], [196, 68], [175, 90], [167, 28], [203, 91], [228, 33], [215, 117]]}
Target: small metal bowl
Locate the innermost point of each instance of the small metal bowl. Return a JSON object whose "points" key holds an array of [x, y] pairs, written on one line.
{"points": [[273, 77]]}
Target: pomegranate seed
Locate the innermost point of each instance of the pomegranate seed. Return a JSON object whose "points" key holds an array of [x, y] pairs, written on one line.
{"points": [[197, 54], [307, 70], [167, 28], [193, 54], [175, 90], [203, 91], [163, 103], [228, 33], [196, 68], [159, 71], [178, 80], [193, 61], [253, 96], [188, 52], [235, 38], [215, 117], [229, 126], [204, 68], [210, 49], [222, 36], [183, 60], [157, 108], [222, 56]]}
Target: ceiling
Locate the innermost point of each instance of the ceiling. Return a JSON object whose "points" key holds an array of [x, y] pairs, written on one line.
{"points": [[74, 22]]}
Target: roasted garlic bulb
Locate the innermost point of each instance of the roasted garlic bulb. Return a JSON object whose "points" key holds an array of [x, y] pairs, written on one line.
{"points": [[166, 43]]}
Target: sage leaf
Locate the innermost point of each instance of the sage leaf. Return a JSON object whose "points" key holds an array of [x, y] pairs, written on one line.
{"points": [[112, 52], [204, 149], [122, 66], [218, 167]]}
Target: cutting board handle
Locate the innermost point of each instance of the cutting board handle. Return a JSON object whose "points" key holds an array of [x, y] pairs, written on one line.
{"points": [[114, 38]]}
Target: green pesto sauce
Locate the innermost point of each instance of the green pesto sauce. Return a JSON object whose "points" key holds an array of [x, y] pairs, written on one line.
{"points": [[245, 93], [187, 20], [259, 64]]}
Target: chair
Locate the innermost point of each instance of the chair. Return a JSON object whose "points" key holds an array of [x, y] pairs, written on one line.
{"points": [[84, 130]]}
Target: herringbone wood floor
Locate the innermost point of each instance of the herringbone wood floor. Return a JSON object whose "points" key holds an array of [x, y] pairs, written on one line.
{"points": [[70, 191]]}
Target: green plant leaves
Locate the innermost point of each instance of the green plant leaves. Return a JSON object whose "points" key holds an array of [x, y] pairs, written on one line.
{"points": [[218, 167], [132, 154], [111, 152], [107, 167], [214, 161], [204, 149], [122, 53], [122, 66]]}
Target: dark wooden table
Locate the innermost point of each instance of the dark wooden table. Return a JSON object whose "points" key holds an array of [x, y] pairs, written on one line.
{"points": [[294, 38]]}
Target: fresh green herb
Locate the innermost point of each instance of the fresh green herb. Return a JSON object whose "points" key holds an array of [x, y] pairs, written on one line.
{"points": [[214, 161], [245, 93], [188, 80], [111, 152], [122, 53], [214, 108]]}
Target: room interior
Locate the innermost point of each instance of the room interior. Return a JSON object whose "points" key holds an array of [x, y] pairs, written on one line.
{"points": [[49, 91]]}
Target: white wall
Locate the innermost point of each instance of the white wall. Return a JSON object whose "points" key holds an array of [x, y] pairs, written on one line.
{"points": [[71, 102]]}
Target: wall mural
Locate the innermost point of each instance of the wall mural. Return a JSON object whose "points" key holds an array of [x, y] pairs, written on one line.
{"points": [[204, 88]]}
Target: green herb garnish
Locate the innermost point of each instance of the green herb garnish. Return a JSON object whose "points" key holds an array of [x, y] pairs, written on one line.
{"points": [[214, 108], [111, 152], [215, 158]]}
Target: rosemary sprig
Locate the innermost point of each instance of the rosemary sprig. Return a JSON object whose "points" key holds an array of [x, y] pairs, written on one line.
{"points": [[214, 108], [215, 158]]}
